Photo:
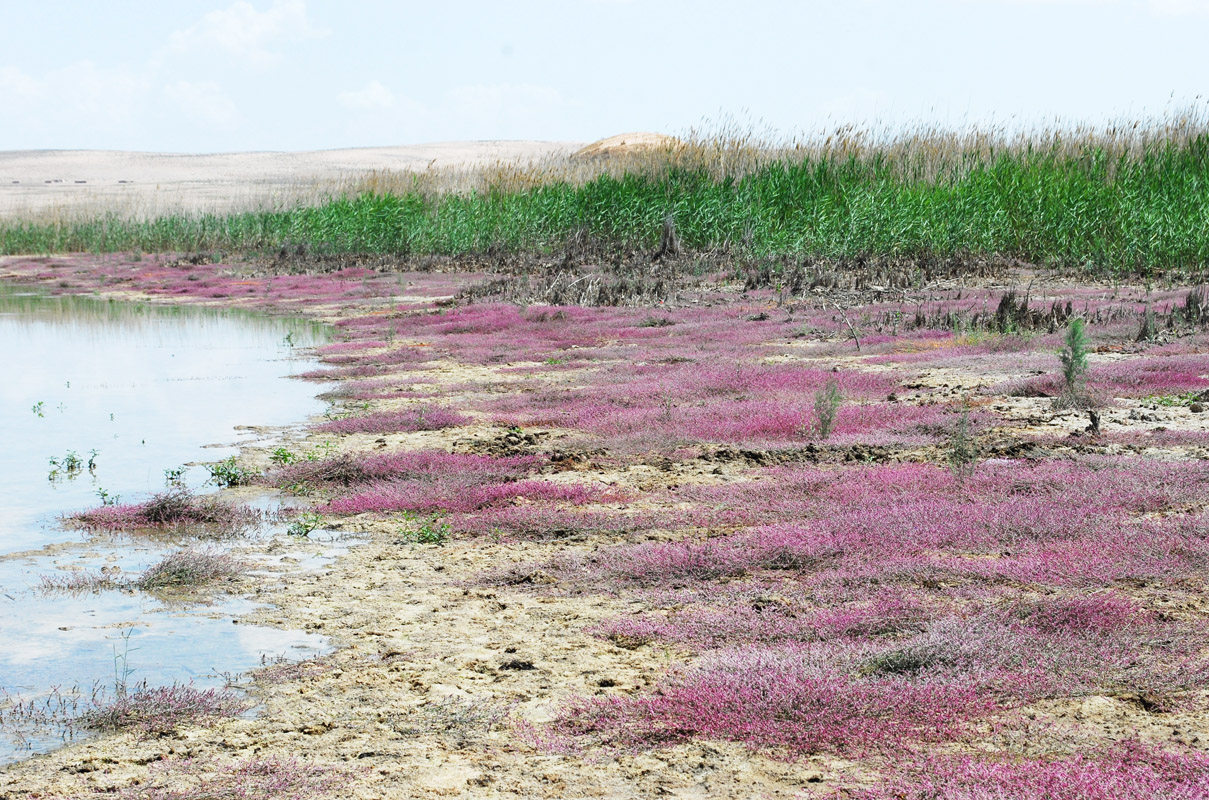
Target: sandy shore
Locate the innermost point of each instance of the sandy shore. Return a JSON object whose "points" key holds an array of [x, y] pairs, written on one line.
{"points": [[74, 181]]}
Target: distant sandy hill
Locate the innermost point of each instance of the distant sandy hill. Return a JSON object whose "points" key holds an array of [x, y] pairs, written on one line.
{"points": [[74, 181], [627, 143]]}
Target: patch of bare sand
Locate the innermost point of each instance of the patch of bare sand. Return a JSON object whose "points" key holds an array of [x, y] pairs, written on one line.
{"points": [[627, 143]]}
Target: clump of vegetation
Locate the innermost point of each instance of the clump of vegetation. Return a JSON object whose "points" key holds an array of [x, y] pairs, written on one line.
{"points": [[188, 568], [427, 529], [1074, 368], [176, 508], [71, 465], [304, 524], [230, 473], [282, 456], [963, 450], [827, 402], [162, 709], [144, 710]]}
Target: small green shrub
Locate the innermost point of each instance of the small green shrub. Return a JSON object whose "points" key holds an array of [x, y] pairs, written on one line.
{"points": [[228, 473], [1074, 357], [963, 452], [1074, 368], [827, 402], [426, 530], [304, 524], [283, 456]]}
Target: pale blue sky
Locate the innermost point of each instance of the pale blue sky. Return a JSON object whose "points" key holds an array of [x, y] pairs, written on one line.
{"points": [[218, 75]]}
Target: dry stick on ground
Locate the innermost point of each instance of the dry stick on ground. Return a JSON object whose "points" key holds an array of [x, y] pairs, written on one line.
{"points": [[848, 322]]}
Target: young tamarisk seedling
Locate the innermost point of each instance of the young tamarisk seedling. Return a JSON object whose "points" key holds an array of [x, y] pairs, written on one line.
{"points": [[827, 402], [963, 451], [1074, 367]]}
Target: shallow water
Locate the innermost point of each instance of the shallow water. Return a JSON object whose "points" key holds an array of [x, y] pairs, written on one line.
{"points": [[136, 390]]}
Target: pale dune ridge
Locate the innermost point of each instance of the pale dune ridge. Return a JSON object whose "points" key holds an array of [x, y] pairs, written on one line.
{"points": [[53, 183]]}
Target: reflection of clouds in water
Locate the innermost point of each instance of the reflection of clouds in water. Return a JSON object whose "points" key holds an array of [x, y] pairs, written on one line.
{"points": [[34, 635], [165, 646], [173, 381], [147, 388]]}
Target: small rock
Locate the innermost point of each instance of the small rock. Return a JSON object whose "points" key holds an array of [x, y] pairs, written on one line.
{"points": [[1196, 408]]}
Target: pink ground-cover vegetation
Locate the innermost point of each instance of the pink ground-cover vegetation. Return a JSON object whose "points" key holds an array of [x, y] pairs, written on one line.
{"points": [[175, 508], [171, 276], [418, 419], [1009, 655], [1133, 378], [420, 465], [904, 578], [463, 495], [785, 699], [1055, 521], [1126, 771], [748, 403]]}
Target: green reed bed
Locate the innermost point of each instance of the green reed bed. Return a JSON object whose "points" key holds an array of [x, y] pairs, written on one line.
{"points": [[1107, 202]]}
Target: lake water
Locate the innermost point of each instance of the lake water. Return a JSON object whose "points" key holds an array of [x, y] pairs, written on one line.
{"points": [[136, 390]]}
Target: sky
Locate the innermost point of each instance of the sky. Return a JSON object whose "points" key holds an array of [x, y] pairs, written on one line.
{"points": [[202, 76]]}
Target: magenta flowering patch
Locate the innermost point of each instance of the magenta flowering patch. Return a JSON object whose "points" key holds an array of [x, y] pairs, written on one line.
{"points": [[1129, 771], [428, 465], [781, 699], [420, 419], [176, 508], [903, 576], [461, 496]]}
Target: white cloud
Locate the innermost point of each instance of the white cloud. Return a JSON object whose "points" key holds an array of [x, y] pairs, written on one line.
{"points": [[371, 97], [205, 102], [243, 31]]}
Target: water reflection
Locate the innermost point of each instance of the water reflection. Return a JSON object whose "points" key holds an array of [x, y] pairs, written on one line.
{"points": [[137, 389]]}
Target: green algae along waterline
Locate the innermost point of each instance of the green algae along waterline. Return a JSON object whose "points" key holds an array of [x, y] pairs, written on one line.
{"points": [[104, 400]]}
